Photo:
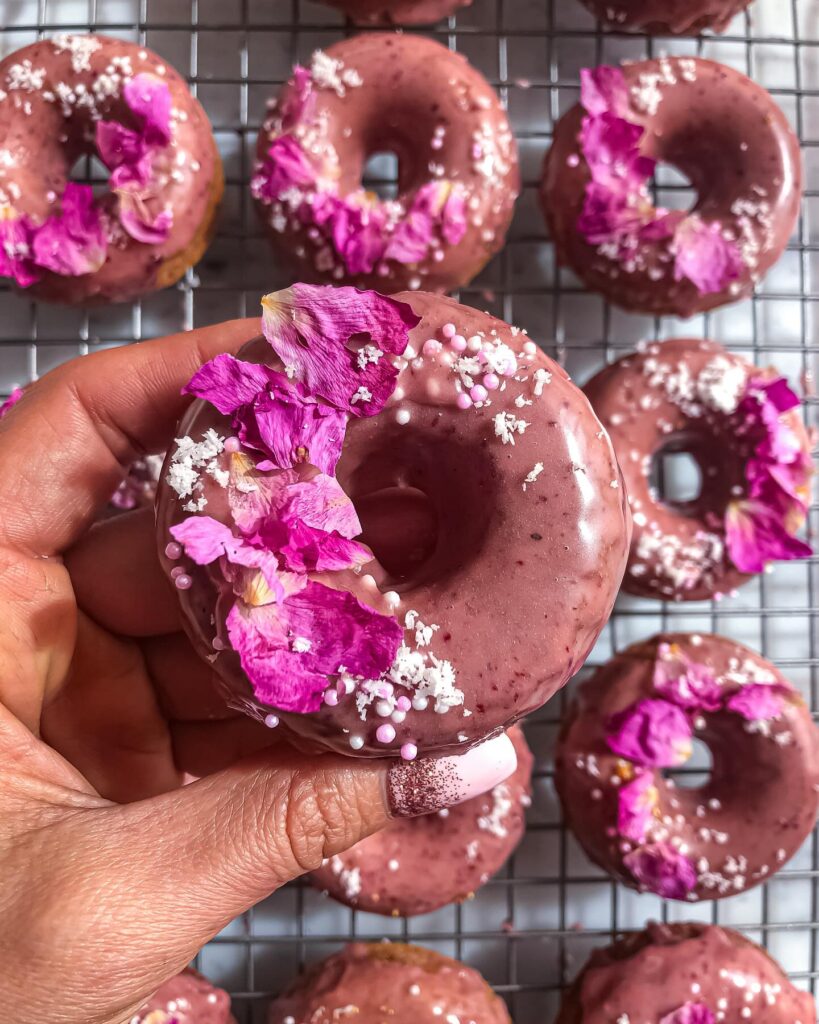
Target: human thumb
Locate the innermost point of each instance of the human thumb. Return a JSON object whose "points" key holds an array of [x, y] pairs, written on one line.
{"points": [[167, 874]]}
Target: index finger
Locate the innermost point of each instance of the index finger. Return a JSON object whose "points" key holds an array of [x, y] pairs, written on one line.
{"points": [[64, 445]]}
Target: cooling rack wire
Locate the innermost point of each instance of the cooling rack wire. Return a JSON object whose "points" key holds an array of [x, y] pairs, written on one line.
{"points": [[531, 927]]}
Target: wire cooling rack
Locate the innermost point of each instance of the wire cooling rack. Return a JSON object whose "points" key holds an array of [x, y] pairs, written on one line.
{"points": [[532, 927]]}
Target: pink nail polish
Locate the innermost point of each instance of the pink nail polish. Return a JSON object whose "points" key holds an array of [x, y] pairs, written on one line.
{"points": [[429, 784]]}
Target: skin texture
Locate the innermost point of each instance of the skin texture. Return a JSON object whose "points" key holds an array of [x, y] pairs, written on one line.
{"points": [[678, 17], [650, 974], [398, 12], [45, 145], [104, 706]]}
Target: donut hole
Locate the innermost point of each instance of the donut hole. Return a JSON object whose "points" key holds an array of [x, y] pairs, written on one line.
{"points": [[673, 189], [697, 770], [380, 174], [676, 476], [88, 169], [400, 526]]}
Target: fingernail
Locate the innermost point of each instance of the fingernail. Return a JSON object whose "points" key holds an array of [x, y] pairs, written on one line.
{"points": [[430, 784]]}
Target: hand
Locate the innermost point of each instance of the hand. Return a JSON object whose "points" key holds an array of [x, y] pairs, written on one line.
{"points": [[112, 874]]}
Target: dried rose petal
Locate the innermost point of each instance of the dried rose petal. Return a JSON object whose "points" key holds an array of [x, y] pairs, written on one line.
{"points": [[11, 401], [604, 90], [72, 242], [757, 701], [756, 533], [149, 99], [654, 733], [705, 256], [690, 1013], [16, 255], [663, 870], [636, 804], [286, 166], [684, 682]]}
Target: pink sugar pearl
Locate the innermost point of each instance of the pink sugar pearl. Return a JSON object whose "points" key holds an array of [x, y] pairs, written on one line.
{"points": [[478, 393], [232, 444], [173, 551], [385, 733], [432, 347], [403, 703], [183, 582], [331, 698], [491, 382], [409, 752], [449, 330], [463, 401], [176, 572], [458, 343]]}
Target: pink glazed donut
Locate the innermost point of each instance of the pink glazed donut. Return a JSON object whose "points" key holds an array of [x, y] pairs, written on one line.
{"points": [[494, 525], [76, 95], [458, 167], [186, 999], [660, 17], [398, 12]]}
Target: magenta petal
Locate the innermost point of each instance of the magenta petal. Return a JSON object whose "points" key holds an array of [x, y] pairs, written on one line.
{"points": [[654, 733], [705, 256], [310, 328], [298, 99], [684, 682], [304, 548], [411, 239], [757, 702], [690, 1013], [611, 147], [636, 802], [118, 145], [73, 242], [11, 401], [149, 98], [16, 256], [203, 538], [603, 90], [286, 166], [227, 382], [756, 533], [357, 232], [663, 870], [320, 503], [140, 223]]}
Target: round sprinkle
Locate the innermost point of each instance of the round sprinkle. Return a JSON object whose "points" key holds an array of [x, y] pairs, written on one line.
{"points": [[402, 417], [398, 716], [491, 382], [173, 551], [176, 572], [394, 598], [459, 343], [463, 401], [183, 581], [233, 444], [420, 703], [403, 703], [409, 752], [449, 330], [331, 698], [432, 347], [271, 721], [356, 742], [217, 644], [478, 393], [530, 348], [475, 344], [385, 733], [383, 709]]}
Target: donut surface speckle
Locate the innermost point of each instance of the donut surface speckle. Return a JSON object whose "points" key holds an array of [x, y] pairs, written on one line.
{"points": [[684, 974], [475, 471], [724, 132], [76, 95], [638, 716], [186, 999], [677, 17], [389, 981], [416, 865], [458, 172], [398, 12], [741, 425]]}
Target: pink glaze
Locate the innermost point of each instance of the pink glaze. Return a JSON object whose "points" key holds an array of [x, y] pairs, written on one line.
{"points": [[659, 17], [186, 999], [417, 865], [759, 803], [651, 975], [503, 530], [397, 12], [389, 981], [411, 96], [53, 94]]}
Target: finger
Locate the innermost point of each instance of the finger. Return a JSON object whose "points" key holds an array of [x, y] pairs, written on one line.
{"points": [[167, 874], [64, 446], [117, 579]]}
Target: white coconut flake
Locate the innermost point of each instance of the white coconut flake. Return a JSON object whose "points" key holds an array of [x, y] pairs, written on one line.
{"points": [[534, 473]]}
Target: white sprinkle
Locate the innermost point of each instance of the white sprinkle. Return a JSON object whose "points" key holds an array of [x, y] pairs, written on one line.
{"points": [[534, 473]]}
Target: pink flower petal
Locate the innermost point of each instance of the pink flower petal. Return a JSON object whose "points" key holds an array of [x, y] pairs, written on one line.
{"points": [[687, 683], [357, 234], [454, 224], [11, 401], [149, 99], [16, 255], [227, 382], [310, 328], [603, 90], [705, 256], [140, 223], [253, 495], [654, 733], [756, 533], [412, 238], [636, 804], [286, 166], [299, 98], [73, 242], [757, 702], [320, 503], [304, 548], [690, 1013], [611, 147], [118, 145], [663, 870]]}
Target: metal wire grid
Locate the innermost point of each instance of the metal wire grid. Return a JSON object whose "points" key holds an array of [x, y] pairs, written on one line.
{"points": [[532, 927]]}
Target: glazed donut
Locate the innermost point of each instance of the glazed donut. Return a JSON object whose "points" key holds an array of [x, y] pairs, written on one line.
{"points": [[716, 126], [742, 427], [186, 999], [458, 167], [418, 865], [637, 716], [684, 974], [389, 981], [662, 17], [398, 12], [473, 468], [76, 95]]}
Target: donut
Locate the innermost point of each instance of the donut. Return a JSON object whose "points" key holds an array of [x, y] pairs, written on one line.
{"points": [[741, 426], [88, 95], [493, 526], [418, 865], [398, 12], [684, 974], [662, 17], [186, 999], [724, 132], [637, 716], [389, 981], [458, 168]]}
